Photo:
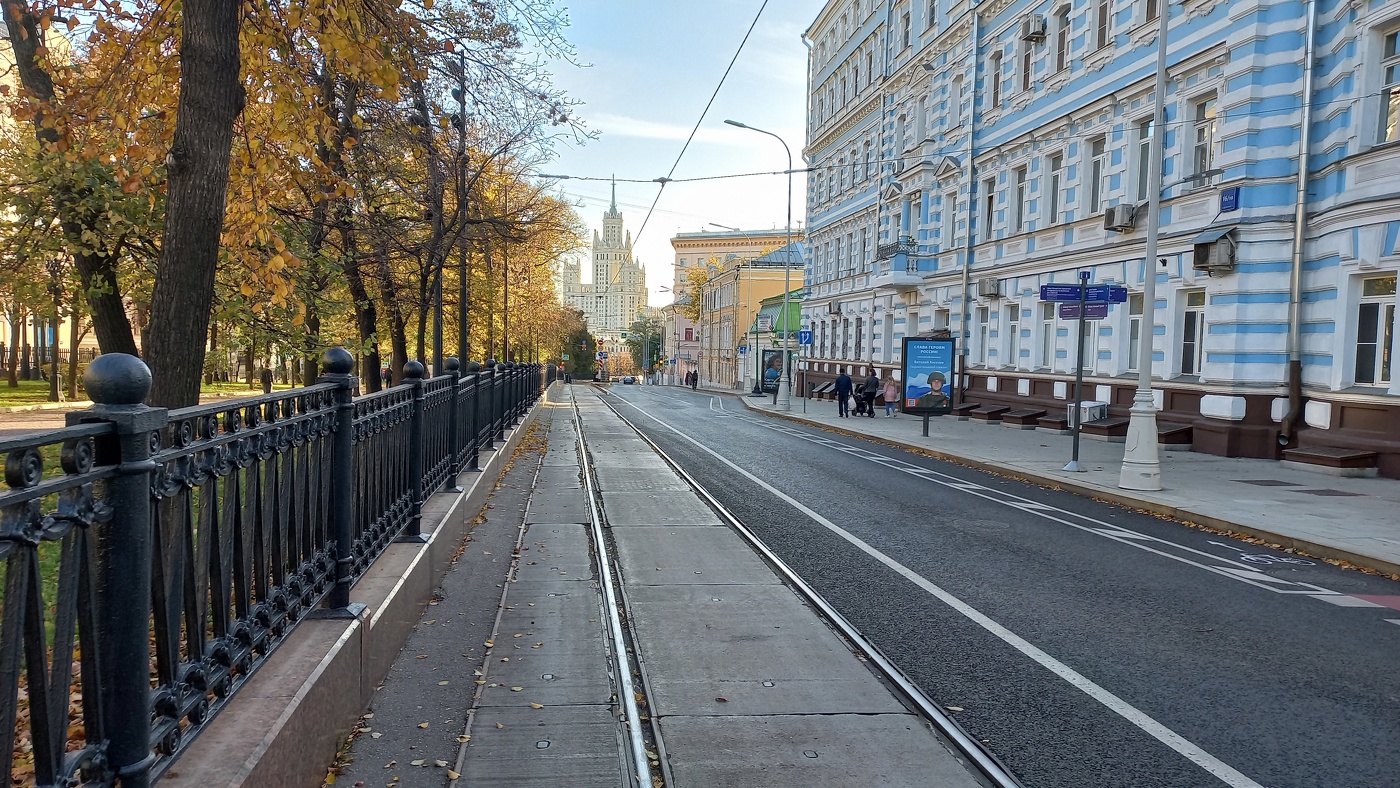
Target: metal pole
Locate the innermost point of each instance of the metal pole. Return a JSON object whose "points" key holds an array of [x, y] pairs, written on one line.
{"points": [[337, 364], [1142, 465], [413, 529], [1078, 377], [1300, 217], [970, 251]]}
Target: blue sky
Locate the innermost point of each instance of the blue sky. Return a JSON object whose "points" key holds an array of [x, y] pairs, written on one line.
{"points": [[651, 66]]}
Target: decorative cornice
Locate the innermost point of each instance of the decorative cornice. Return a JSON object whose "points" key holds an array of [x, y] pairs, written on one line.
{"points": [[854, 118]]}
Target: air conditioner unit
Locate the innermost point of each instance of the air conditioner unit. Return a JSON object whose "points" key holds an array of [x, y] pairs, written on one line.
{"points": [[989, 287], [1214, 252], [1088, 411], [1033, 28], [1119, 217]]}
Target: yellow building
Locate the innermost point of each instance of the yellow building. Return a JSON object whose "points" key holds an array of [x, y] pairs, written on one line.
{"points": [[729, 300]]}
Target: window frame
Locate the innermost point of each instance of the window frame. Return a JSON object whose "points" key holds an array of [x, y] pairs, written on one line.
{"points": [[1055, 181], [1098, 164], [1382, 366], [1136, 301], [1063, 39], [1013, 338], [1049, 333], [1389, 87], [1103, 23], [989, 212], [1020, 186], [950, 221], [1027, 65], [1196, 356], [1204, 121], [994, 67], [1141, 167]]}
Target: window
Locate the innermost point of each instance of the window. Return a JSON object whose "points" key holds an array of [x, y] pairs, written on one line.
{"points": [[1027, 65], [1062, 39], [1149, 10], [1055, 174], [1103, 22], [984, 334], [1390, 89], [1018, 200], [1089, 351], [955, 93], [908, 31], [855, 78], [1193, 329], [690, 335], [1013, 339], [950, 221], [860, 337], [989, 201], [845, 96], [1375, 331], [1134, 330], [1203, 144], [1144, 157], [1047, 334], [994, 73], [1097, 162], [846, 338]]}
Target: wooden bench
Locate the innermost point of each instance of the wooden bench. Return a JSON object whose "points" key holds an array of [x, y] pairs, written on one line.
{"points": [[1113, 429], [961, 411], [1332, 460], [991, 414], [1174, 437], [1023, 419], [1058, 425]]}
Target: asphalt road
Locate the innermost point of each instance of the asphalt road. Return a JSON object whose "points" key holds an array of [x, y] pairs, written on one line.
{"points": [[1088, 645]]}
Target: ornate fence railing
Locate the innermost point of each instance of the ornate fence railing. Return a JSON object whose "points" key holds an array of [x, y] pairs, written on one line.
{"points": [[153, 560]]}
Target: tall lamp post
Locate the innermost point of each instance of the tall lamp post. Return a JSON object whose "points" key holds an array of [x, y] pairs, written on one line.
{"points": [[1142, 465], [782, 401]]}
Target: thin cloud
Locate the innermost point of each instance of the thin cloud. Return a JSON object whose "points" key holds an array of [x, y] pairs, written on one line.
{"points": [[624, 126]]}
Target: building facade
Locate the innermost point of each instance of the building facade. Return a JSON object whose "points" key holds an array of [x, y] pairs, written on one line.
{"points": [[617, 295], [729, 301], [965, 154]]}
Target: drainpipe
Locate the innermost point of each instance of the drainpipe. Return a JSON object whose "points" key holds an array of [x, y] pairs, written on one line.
{"points": [[1288, 430], [970, 250]]}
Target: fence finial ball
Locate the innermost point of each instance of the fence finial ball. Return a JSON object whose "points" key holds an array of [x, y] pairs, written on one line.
{"points": [[117, 379], [413, 370], [491, 363], [473, 366], [337, 361], [452, 364]]}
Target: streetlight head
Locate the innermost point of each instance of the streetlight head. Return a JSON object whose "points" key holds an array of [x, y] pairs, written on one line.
{"points": [[736, 123]]}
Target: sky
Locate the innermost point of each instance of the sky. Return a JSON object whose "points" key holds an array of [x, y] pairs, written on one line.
{"points": [[649, 67]]}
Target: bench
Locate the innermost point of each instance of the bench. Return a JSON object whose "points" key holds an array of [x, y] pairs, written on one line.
{"points": [[1023, 419], [1332, 460], [961, 411], [990, 414], [1174, 437], [1056, 425], [1113, 429]]}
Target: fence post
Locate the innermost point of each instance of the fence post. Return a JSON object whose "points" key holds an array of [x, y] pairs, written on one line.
{"points": [[413, 529], [338, 364], [474, 368], [512, 378], [502, 397], [454, 367], [118, 384]]}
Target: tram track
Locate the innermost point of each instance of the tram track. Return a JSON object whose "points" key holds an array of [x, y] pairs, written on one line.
{"points": [[980, 759]]}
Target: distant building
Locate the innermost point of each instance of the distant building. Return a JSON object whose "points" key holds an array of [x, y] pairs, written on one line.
{"points": [[617, 296], [729, 303], [965, 154]]}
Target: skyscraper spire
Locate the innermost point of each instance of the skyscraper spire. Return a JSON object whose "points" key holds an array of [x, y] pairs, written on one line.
{"points": [[613, 208]]}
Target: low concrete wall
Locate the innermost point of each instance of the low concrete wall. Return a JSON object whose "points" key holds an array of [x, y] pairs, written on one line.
{"points": [[282, 727]]}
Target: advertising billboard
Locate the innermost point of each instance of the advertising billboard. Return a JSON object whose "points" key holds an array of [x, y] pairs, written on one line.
{"points": [[770, 370], [928, 376]]}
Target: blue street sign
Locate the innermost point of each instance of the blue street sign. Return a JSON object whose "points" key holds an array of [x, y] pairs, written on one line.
{"points": [[1112, 294], [1093, 310], [743, 349], [602, 354], [1230, 199], [804, 337], [1059, 292]]}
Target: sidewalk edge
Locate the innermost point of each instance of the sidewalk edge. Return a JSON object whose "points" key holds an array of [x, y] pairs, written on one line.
{"points": [[1185, 515]]}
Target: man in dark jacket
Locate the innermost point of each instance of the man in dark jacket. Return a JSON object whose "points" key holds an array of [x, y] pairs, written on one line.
{"points": [[843, 394], [870, 388]]}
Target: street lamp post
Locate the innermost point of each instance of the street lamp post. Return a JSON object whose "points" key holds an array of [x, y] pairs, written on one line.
{"points": [[782, 401], [1142, 466]]}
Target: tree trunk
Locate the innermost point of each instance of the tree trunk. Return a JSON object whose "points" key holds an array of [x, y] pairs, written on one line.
{"points": [[13, 363], [211, 98], [97, 271], [490, 304], [398, 336], [74, 337]]}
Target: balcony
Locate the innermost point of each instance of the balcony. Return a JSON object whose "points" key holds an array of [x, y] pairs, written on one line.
{"points": [[905, 246]]}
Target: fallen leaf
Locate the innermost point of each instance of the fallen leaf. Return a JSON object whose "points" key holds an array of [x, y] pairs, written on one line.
{"points": [[516, 635], [499, 726], [376, 735], [422, 656], [536, 706], [367, 717], [516, 689], [422, 724], [955, 708], [463, 739], [418, 762], [451, 775], [391, 764], [442, 684], [440, 763], [722, 700]]}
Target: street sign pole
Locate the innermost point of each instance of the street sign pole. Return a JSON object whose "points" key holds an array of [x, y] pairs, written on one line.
{"points": [[1076, 414]]}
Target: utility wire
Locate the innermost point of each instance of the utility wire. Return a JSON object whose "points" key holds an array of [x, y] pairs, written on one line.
{"points": [[701, 119]]}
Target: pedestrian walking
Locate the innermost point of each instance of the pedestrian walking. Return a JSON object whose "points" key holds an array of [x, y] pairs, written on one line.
{"points": [[843, 395], [891, 394], [870, 390]]}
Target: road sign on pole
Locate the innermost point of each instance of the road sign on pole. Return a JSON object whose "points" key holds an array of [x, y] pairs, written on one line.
{"points": [[1059, 292], [602, 354], [743, 350], [804, 337], [1092, 311], [1113, 294]]}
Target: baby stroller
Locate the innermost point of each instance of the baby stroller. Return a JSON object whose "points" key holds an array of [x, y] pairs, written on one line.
{"points": [[862, 404]]}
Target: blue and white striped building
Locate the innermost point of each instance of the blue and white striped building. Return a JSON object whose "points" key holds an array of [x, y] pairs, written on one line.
{"points": [[1011, 133]]}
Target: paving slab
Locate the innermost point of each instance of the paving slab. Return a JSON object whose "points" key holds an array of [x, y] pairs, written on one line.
{"points": [[706, 642], [888, 750], [555, 477], [624, 509], [696, 555], [547, 747], [629, 460], [555, 551], [639, 480], [559, 505], [560, 656]]}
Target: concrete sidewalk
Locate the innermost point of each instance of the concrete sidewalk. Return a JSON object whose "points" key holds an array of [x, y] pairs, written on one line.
{"points": [[1346, 519], [510, 681]]}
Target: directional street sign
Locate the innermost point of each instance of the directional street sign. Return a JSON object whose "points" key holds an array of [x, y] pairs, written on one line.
{"points": [[804, 337], [1059, 292], [564, 356], [1112, 294], [1093, 310], [743, 349], [602, 354]]}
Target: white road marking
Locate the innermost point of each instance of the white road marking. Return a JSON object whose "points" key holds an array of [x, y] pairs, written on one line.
{"points": [[1341, 600], [1224, 567], [1221, 770], [1393, 620]]}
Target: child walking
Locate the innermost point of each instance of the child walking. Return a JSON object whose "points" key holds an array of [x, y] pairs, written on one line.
{"points": [[891, 395]]}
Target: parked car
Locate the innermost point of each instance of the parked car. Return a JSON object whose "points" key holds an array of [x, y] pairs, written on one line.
{"points": [[629, 380]]}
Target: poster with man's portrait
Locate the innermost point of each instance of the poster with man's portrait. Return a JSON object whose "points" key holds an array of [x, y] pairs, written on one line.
{"points": [[927, 376]]}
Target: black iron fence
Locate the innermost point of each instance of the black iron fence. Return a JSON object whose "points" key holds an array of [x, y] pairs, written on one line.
{"points": [[154, 559]]}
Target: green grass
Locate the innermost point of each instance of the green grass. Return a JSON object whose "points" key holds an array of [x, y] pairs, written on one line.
{"points": [[30, 392]]}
